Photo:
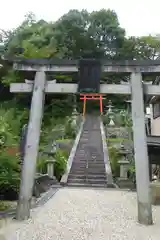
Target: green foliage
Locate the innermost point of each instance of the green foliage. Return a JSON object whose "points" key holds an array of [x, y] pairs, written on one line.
{"points": [[132, 171], [60, 164], [32, 50], [117, 140], [61, 108], [121, 118], [70, 130], [10, 172], [106, 119], [148, 47], [95, 34], [10, 122], [4, 205], [41, 164], [11, 77], [114, 157], [79, 33]]}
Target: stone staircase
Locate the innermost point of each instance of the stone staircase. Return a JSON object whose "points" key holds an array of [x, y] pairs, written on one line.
{"points": [[88, 167]]}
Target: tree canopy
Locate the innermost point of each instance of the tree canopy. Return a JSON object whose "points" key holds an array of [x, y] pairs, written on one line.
{"points": [[77, 34]]}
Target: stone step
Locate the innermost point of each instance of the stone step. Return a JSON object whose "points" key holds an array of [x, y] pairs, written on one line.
{"points": [[90, 163], [89, 156], [83, 160], [90, 159], [89, 172], [89, 176], [89, 151], [89, 181], [83, 147], [87, 185], [83, 153], [83, 166], [84, 163]]}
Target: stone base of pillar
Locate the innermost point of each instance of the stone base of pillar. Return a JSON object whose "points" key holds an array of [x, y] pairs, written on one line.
{"points": [[124, 183], [50, 168], [155, 193], [123, 168]]}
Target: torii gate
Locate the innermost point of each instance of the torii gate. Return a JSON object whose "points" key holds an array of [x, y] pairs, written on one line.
{"points": [[92, 96], [136, 89]]}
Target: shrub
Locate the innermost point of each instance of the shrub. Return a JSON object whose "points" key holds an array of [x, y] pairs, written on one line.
{"points": [[114, 158], [70, 131], [60, 164], [10, 175], [41, 164], [4, 205], [132, 172]]}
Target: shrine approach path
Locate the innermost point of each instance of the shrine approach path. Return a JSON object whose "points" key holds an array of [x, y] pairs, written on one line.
{"points": [[77, 213]]}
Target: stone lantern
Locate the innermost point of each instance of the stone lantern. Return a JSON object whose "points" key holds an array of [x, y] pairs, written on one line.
{"points": [[123, 163], [110, 114], [51, 161], [111, 122], [129, 105], [74, 112], [110, 106]]}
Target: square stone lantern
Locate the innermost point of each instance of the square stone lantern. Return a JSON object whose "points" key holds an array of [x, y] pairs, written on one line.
{"points": [[74, 116], [123, 169], [51, 161], [123, 163], [50, 167]]}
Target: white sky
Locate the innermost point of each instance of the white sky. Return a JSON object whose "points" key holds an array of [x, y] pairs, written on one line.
{"points": [[138, 17]]}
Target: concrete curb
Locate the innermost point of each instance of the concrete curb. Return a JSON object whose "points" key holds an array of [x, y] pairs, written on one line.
{"points": [[71, 156], [106, 157], [46, 196], [101, 188], [39, 202]]}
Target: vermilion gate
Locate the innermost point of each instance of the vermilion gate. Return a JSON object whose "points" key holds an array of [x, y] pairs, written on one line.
{"points": [[92, 96]]}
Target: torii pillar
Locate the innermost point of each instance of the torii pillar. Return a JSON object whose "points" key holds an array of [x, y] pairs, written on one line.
{"points": [[31, 148]]}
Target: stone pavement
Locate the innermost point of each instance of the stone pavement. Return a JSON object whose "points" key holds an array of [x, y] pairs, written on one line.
{"points": [[85, 214]]}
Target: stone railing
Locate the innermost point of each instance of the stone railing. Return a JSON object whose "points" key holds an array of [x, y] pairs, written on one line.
{"points": [[72, 153]]}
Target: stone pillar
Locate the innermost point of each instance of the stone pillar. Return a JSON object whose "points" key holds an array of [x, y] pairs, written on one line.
{"points": [[74, 118], [140, 151], [123, 169], [31, 147], [50, 167], [74, 121]]}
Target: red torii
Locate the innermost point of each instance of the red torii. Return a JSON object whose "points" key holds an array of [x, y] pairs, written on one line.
{"points": [[92, 96]]}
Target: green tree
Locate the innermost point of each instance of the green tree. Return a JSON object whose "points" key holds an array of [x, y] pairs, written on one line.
{"points": [[95, 34], [147, 47]]}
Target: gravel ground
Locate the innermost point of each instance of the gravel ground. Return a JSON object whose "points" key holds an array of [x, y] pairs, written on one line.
{"points": [[75, 214]]}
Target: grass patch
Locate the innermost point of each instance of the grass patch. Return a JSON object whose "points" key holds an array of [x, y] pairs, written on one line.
{"points": [[117, 140], [4, 205], [66, 140]]}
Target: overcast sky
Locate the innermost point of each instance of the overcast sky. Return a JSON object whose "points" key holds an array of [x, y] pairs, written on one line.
{"points": [[138, 17]]}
